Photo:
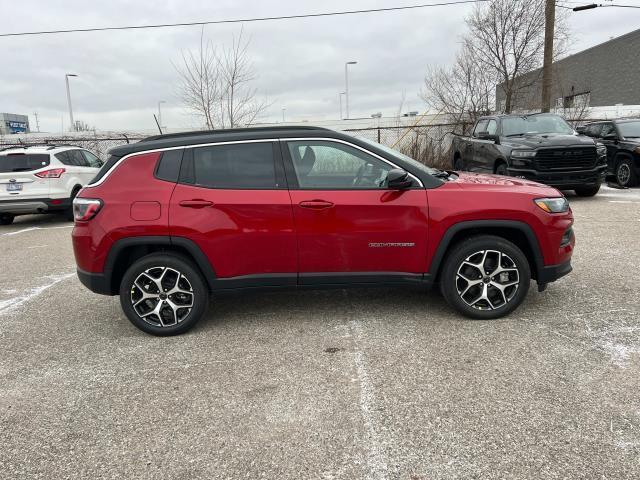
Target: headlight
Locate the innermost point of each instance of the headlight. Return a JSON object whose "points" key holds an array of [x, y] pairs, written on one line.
{"points": [[601, 149], [553, 205], [523, 153]]}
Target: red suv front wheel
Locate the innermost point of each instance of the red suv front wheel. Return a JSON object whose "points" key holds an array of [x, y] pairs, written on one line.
{"points": [[485, 277]]}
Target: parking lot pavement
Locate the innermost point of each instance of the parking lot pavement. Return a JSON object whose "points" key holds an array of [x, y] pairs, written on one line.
{"points": [[332, 384]]}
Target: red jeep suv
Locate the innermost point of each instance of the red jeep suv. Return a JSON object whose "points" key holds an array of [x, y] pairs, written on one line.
{"points": [[174, 218]]}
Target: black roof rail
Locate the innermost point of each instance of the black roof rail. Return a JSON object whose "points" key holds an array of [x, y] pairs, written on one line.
{"points": [[50, 146], [197, 133]]}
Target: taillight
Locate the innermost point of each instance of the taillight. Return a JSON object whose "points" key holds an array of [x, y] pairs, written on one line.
{"points": [[53, 173], [86, 208]]}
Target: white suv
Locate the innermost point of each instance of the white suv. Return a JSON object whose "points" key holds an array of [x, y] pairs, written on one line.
{"points": [[42, 179]]}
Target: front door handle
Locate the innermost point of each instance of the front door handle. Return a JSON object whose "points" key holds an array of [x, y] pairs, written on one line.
{"points": [[196, 203], [316, 204]]}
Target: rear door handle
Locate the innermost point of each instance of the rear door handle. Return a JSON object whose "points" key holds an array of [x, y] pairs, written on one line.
{"points": [[316, 204], [196, 203]]}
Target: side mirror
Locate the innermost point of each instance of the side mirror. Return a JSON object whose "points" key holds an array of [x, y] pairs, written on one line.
{"points": [[581, 130], [398, 179], [611, 136], [487, 136]]}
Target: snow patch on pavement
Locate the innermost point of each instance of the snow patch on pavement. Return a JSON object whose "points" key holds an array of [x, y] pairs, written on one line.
{"points": [[12, 304]]}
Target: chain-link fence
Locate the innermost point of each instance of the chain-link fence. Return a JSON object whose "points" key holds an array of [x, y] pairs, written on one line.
{"points": [[427, 143], [98, 144]]}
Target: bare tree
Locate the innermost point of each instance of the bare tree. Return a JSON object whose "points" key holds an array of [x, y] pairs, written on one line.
{"points": [[200, 81], [463, 91], [507, 38], [216, 84]]}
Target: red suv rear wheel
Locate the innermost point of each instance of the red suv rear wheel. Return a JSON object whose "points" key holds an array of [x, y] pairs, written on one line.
{"points": [[163, 294]]}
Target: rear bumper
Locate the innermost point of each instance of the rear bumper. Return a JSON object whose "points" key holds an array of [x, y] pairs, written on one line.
{"points": [[565, 179], [551, 273], [96, 282], [33, 205]]}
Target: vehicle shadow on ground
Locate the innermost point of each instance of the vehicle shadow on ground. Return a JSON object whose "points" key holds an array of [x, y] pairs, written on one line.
{"points": [[270, 306]]}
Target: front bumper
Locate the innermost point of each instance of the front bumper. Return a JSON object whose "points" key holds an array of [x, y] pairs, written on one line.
{"points": [[565, 179], [33, 205]]}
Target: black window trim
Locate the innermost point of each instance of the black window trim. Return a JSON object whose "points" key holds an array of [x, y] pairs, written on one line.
{"points": [[188, 168], [293, 179], [188, 148]]}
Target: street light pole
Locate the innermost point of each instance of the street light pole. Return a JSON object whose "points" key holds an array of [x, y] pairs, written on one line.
{"points": [[346, 85], [160, 112], [547, 65], [283, 109], [66, 78], [340, 100]]}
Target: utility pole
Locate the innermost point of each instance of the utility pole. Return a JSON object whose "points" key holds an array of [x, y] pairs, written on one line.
{"points": [[346, 85], [66, 78], [340, 100], [547, 66]]}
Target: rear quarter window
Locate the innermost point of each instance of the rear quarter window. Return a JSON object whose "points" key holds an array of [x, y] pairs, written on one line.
{"points": [[23, 162]]}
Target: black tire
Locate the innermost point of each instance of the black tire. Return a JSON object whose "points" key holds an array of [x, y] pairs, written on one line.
{"points": [[6, 218], [625, 173], [68, 213], [501, 169], [178, 320], [465, 297], [589, 191]]}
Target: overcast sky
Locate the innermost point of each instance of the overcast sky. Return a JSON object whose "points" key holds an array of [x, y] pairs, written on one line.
{"points": [[300, 63]]}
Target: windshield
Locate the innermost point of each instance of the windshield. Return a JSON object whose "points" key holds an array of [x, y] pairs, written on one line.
{"points": [[535, 124], [401, 156], [23, 162], [630, 129]]}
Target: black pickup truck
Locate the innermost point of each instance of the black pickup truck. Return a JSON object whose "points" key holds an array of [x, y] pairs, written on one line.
{"points": [[542, 147]]}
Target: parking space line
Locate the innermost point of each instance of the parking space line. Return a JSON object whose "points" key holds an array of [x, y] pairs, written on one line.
{"points": [[31, 229], [376, 460], [11, 304]]}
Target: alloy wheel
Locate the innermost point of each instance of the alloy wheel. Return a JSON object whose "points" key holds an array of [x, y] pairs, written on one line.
{"points": [[624, 174], [487, 280], [162, 296]]}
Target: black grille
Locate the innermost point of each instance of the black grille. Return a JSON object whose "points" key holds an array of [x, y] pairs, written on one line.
{"points": [[571, 158]]}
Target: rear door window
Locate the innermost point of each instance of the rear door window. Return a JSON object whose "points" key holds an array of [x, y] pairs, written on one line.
{"points": [[23, 162], [240, 166], [91, 159], [78, 158]]}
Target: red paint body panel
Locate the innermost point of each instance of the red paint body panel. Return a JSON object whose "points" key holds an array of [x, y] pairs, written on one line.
{"points": [[244, 232], [338, 238], [489, 197], [131, 182]]}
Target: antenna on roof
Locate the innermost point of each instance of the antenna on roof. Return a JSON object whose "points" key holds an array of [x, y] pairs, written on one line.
{"points": [[156, 119]]}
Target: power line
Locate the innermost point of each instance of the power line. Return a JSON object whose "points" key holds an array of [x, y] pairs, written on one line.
{"points": [[243, 20]]}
